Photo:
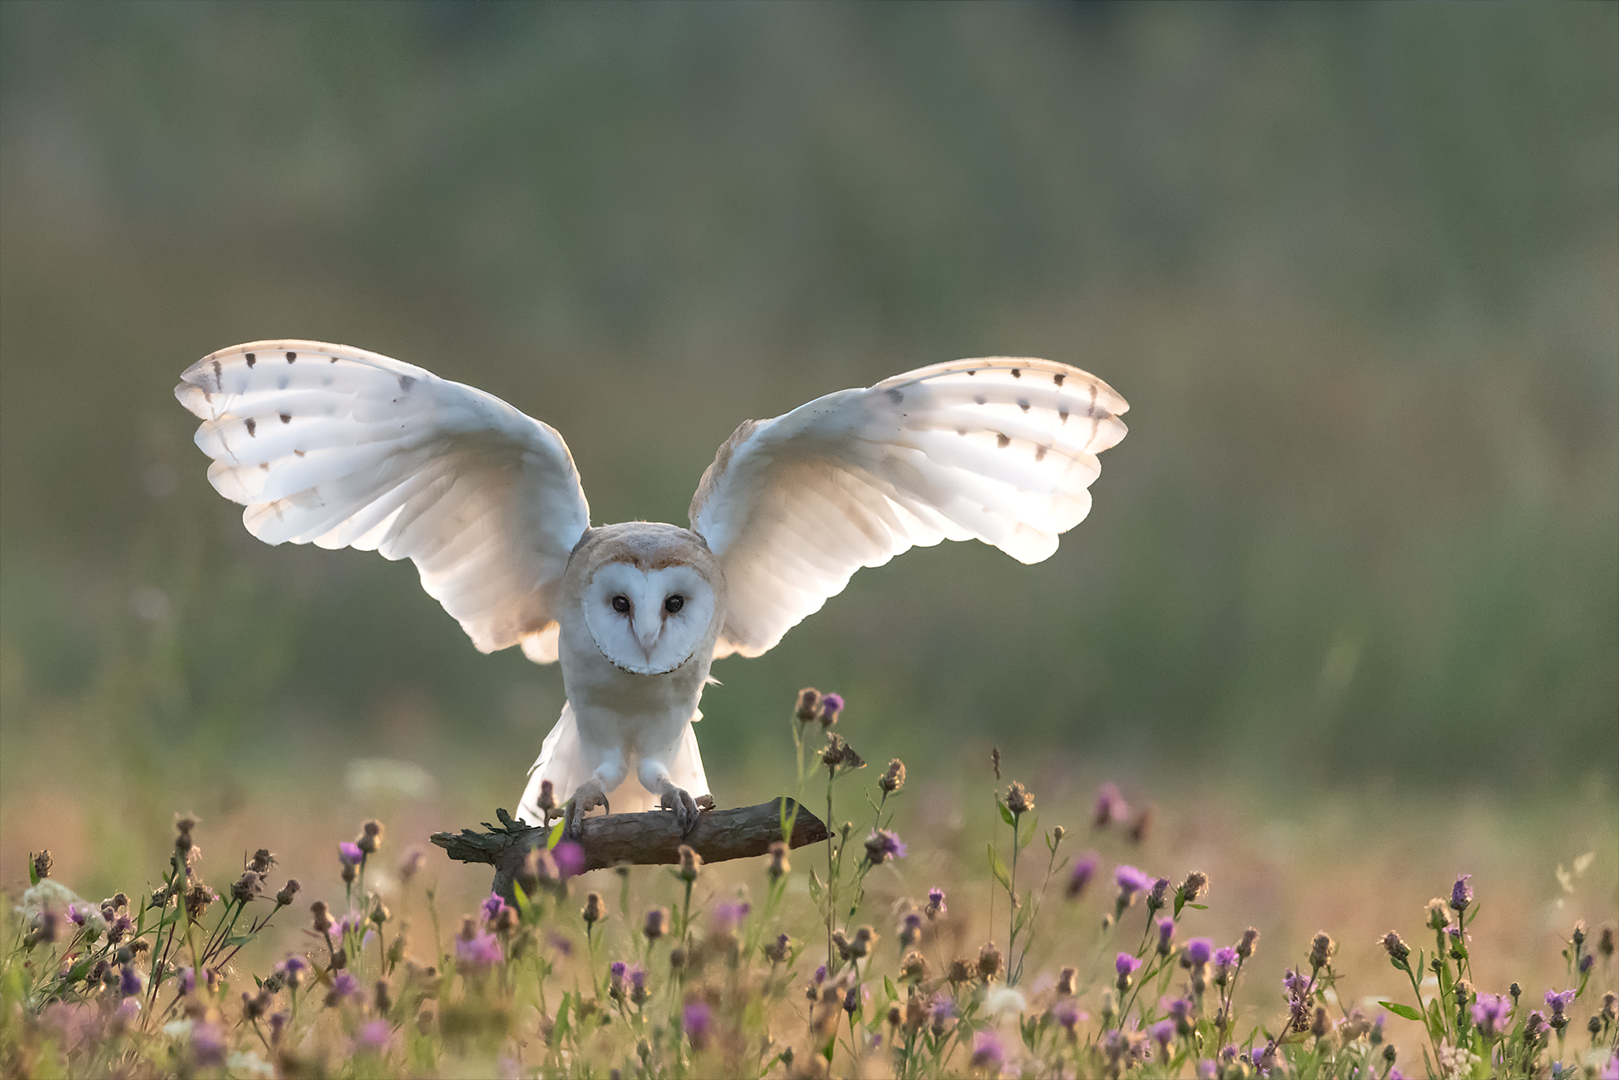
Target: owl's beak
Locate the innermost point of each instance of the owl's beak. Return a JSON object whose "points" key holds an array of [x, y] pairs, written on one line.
{"points": [[647, 637]]}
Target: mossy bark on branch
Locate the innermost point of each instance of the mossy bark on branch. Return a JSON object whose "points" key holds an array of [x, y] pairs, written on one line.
{"points": [[638, 839]]}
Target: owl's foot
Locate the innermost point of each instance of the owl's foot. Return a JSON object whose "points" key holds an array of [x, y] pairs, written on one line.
{"points": [[685, 807], [589, 796]]}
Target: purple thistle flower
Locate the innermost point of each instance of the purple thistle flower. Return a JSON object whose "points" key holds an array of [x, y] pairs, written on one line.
{"points": [[570, 858], [1294, 984], [820, 975], [492, 907], [208, 1045], [1083, 871], [941, 1009], [728, 916], [76, 913], [479, 953], [1587, 962], [831, 705], [936, 902], [1199, 950], [1207, 1069], [1559, 1003], [344, 985], [1067, 1014], [1489, 1011], [617, 969], [1109, 807], [637, 977], [1166, 934], [1131, 881], [988, 1053], [187, 978], [129, 981], [883, 845], [350, 854], [1163, 1033], [373, 1035], [695, 1019], [1461, 894], [1126, 965], [1225, 958]]}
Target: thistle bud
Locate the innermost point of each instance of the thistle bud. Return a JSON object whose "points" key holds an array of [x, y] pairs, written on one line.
{"points": [[851, 1000], [1018, 800], [41, 865], [776, 951], [960, 971], [382, 998], [990, 962], [288, 891], [1067, 981], [690, 863], [323, 920], [864, 938], [1245, 947], [1398, 950], [913, 968], [1195, 885], [411, 865], [1437, 916], [657, 923], [831, 706], [809, 705], [1321, 950], [894, 778], [370, 837], [895, 1016], [1321, 1024], [594, 911], [379, 912], [262, 861], [1605, 941], [246, 887], [779, 866]]}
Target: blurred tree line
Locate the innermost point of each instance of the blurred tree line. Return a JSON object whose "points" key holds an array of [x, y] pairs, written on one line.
{"points": [[1356, 269]]}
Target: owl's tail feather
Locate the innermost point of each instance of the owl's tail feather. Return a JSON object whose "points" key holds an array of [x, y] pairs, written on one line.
{"points": [[562, 762]]}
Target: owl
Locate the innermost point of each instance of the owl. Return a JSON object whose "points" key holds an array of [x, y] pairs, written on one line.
{"points": [[340, 447]]}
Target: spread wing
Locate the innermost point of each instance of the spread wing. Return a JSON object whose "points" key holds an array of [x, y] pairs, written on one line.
{"points": [[1001, 450], [345, 448]]}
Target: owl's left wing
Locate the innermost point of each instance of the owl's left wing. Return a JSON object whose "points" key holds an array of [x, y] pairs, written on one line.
{"points": [[340, 447], [1001, 450]]}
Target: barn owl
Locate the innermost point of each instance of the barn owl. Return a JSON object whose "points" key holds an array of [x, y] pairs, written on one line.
{"points": [[340, 447]]}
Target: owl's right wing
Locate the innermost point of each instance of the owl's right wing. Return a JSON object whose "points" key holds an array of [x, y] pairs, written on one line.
{"points": [[1001, 450], [340, 447]]}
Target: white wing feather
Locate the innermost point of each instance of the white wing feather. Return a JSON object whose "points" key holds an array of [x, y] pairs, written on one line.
{"points": [[341, 447], [1001, 450]]}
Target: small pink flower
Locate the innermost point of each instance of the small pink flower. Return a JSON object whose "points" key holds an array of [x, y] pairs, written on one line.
{"points": [[373, 1035]]}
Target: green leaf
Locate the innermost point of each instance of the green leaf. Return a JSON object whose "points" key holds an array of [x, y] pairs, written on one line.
{"points": [[1030, 834], [998, 868], [33, 874], [1006, 815], [889, 988], [1401, 1010], [814, 886], [555, 836], [238, 940]]}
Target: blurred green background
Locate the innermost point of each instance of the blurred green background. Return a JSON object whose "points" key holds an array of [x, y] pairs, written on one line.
{"points": [[1356, 269]]}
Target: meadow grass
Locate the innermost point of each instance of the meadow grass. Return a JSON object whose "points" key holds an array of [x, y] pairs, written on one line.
{"points": [[991, 943]]}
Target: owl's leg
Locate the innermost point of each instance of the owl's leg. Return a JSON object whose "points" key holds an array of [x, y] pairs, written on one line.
{"points": [[655, 778], [593, 793]]}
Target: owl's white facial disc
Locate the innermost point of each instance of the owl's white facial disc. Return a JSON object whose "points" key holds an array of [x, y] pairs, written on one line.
{"points": [[648, 622]]}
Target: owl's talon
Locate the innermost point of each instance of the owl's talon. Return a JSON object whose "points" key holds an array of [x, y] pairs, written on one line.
{"points": [[589, 796], [685, 807]]}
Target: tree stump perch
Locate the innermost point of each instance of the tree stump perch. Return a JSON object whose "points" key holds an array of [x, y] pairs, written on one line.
{"points": [[639, 839]]}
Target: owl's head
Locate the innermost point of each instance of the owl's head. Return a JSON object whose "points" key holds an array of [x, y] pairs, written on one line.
{"points": [[652, 595]]}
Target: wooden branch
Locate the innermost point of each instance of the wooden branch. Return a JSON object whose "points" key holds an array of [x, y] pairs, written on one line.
{"points": [[641, 839]]}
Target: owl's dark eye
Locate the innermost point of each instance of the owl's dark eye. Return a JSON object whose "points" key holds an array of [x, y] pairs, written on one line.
{"points": [[674, 603], [621, 604]]}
